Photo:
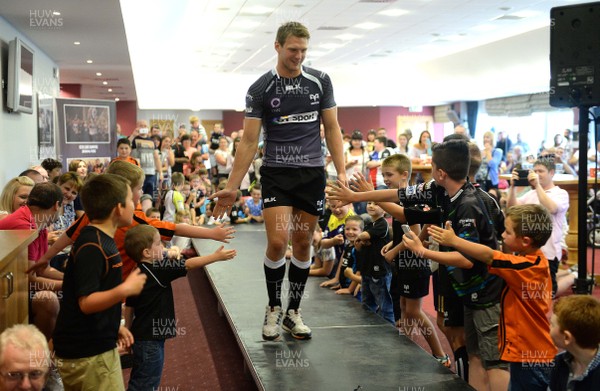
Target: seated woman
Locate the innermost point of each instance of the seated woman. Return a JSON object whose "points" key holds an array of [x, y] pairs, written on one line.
{"points": [[422, 147], [14, 195]]}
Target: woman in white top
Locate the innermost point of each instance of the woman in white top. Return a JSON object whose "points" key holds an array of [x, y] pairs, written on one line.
{"points": [[167, 158], [402, 146], [423, 147], [357, 158], [223, 158]]}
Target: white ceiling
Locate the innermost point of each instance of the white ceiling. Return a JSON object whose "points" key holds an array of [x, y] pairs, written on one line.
{"points": [[204, 54]]}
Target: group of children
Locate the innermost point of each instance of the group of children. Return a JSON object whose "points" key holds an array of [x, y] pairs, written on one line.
{"points": [[493, 307], [187, 201], [118, 256]]}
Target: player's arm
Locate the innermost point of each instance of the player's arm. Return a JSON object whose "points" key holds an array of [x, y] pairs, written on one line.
{"points": [[447, 237], [333, 137], [245, 152]]}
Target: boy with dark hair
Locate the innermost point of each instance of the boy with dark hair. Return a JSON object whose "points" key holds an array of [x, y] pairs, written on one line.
{"points": [[454, 198], [124, 152], [524, 334], [151, 315], [88, 325], [53, 167], [574, 327]]}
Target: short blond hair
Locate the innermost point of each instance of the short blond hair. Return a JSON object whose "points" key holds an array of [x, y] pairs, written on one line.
{"points": [[11, 188], [24, 337]]}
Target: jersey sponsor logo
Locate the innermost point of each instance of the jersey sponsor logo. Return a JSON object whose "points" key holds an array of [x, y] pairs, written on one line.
{"points": [[314, 99], [248, 109], [275, 102], [310, 116], [467, 223], [249, 97], [268, 200]]}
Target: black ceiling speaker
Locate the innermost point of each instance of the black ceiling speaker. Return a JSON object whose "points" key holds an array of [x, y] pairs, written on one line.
{"points": [[575, 55]]}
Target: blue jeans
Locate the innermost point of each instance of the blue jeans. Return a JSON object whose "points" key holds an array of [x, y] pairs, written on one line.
{"points": [[149, 185], [376, 296], [530, 376], [148, 358]]}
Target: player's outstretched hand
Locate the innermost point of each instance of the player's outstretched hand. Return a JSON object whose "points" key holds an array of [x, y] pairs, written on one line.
{"points": [[225, 199]]}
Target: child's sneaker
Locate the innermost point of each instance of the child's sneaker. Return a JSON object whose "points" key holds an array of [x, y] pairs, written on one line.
{"points": [[445, 360], [293, 324], [272, 323]]}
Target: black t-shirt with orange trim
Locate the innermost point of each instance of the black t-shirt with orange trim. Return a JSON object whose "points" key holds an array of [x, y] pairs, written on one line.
{"points": [[166, 230]]}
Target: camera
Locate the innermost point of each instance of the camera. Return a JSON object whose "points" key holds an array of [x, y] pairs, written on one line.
{"points": [[522, 181]]}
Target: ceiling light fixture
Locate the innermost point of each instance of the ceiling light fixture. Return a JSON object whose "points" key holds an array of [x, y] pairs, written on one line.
{"points": [[56, 13], [368, 25], [394, 12], [105, 83], [89, 61], [76, 43], [98, 73]]}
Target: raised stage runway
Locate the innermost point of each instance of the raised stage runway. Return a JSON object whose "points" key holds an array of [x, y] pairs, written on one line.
{"points": [[351, 348]]}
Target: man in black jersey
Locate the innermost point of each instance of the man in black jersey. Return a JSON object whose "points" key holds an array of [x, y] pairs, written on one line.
{"points": [[289, 102]]}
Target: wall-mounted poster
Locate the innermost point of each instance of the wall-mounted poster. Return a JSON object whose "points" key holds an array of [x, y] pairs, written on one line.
{"points": [[86, 123], [45, 126], [86, 128]]}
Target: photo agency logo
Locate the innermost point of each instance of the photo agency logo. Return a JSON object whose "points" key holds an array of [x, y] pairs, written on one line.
{"points": [[291, 291], [44, 291], [532, 290], [535, 225], [290, 359], [166, 388], [40, 359], [411, 388], [290, 154], [414, 328], [166, 328], [45, 19], [537, 359], [290, 223]]}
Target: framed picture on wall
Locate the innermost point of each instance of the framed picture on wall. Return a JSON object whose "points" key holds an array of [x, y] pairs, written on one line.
{"points": [[86, 124], [46, 134], [45, 120]]}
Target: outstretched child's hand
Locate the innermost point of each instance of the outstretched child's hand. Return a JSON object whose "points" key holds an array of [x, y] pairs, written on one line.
{"points": [[174, 252], [340, 192], [125, 338], [224, 255], [338, 239], [443, 236], [223, 233], [134, 283], [360, 183]]}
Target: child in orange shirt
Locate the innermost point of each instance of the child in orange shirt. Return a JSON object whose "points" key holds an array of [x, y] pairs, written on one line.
{"points": [[524, 333]]}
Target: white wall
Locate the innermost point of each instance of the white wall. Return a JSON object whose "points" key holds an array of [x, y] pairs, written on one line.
{"points": [[18, 131], [179, 116]]}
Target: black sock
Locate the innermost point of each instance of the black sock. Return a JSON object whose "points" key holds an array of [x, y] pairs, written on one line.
{"points": [[461, 358], [297, 278], [274, 279]]}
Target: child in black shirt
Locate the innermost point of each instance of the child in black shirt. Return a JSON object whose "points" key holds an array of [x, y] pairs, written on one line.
{"points": [[151, 315]]}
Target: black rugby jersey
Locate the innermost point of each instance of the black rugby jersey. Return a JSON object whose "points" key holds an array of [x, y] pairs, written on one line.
{"points": [[290, 110]]}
